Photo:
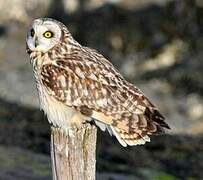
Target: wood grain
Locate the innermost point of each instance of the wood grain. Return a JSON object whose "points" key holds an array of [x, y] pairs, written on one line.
{"points": [[73, 153]]}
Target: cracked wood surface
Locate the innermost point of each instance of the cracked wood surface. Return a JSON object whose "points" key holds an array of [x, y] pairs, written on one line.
{"points": [[73, 153]]}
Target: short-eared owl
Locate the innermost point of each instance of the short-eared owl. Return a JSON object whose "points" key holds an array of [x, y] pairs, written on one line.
{"points": [[77, 84]]}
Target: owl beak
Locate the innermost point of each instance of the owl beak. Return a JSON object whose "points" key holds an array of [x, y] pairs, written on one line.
{"points": [[36, 42]]}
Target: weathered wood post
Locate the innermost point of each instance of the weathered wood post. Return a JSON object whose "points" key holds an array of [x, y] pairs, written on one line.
{"points": [[73, 153]]}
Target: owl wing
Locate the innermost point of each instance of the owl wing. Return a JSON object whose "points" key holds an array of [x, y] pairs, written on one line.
{"points": [[88, 82]]}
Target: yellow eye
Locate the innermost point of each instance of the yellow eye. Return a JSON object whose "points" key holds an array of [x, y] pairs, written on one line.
{"points": [[48, 34]]}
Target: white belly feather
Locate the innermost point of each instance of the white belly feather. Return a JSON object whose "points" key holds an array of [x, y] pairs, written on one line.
{"points": [[58, 113]]}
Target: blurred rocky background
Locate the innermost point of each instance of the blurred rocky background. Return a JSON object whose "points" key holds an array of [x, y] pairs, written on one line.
{"points": [[156, 44]]}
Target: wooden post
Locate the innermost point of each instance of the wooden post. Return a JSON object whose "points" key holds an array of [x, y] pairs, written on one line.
{"points": [[73, 153]]}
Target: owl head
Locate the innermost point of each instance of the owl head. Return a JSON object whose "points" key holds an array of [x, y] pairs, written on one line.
{"points": [[44, 34]]}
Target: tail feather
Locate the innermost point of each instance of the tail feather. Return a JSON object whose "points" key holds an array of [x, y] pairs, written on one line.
{"points": [[150, 123], [155, 116], [135, 129], [129, 139]]}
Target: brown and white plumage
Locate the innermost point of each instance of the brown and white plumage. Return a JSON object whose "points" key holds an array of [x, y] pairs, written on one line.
{"points": [[77, 84]]}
